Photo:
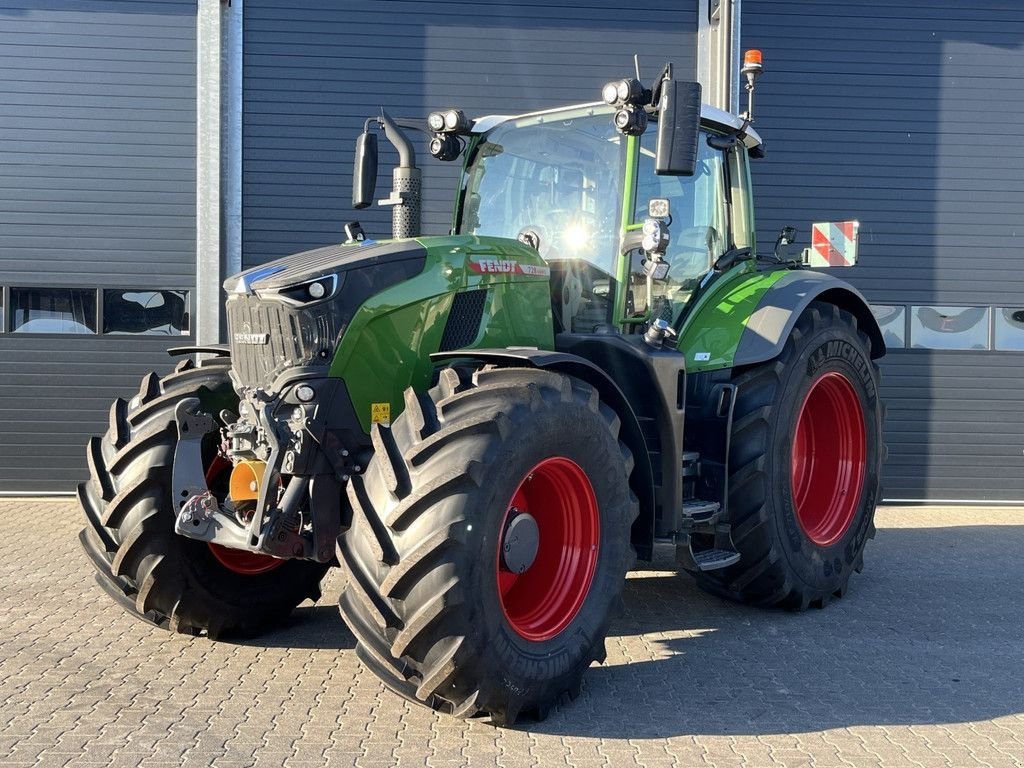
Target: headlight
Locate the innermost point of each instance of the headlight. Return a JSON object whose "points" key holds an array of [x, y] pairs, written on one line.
{"points": [[306, 292]]}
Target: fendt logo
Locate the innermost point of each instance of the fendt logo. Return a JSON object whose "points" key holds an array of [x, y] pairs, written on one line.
{"points": [[507, 267], [246, 336]]}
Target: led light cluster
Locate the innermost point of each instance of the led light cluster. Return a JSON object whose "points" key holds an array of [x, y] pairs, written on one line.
{"points": [[655, 236], [630, 96], [447, 126]]}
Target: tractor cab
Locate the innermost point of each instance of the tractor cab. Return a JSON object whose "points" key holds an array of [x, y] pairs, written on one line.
{"points": [[573, 186]]}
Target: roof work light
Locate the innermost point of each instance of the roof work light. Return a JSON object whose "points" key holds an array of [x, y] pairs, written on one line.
{"points": [[630, 96], [446, 126]]}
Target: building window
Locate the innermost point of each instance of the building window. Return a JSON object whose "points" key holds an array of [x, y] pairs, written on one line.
{"points": [[892, 320], [52, 310], [1009, 329], [949, 327], [141, 312]]}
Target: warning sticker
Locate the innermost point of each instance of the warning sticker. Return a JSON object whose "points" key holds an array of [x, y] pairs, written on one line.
{"points": [[380, 413]]}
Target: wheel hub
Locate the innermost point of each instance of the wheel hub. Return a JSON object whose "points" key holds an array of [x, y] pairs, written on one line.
{"points": [[521, 541], [829, 459], [548, 549]]}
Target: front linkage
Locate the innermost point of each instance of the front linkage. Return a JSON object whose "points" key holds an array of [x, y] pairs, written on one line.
{"points": [[294, 519]]}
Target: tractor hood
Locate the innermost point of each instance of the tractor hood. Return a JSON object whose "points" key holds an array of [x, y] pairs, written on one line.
{"points": [[307, 266], [309, 313]]}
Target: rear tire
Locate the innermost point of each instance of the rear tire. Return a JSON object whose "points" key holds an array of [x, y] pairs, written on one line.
{"points": [[163, 578], [805, 458], [428, 594]]}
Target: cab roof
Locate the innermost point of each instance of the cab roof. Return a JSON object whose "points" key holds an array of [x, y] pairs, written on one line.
{"points": [[711, 117]]}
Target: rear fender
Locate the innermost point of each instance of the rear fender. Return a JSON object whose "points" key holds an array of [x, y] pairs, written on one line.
{"points": [[642, 479], [780, 307]]}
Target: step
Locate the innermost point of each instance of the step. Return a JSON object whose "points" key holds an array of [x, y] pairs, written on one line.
{"points": [[700, 511], [691, 463], [713, 559]]}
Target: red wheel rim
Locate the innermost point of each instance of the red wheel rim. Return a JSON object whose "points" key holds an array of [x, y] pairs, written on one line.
{"points": [[829, 459], [543, 600], [235, 560]]}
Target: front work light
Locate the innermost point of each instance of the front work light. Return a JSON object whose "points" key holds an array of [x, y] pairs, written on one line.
{"points": [[455, 121], [655, 237], [445, 146], [448, 121], [626, 91], [610, 93], [435, 122], [632, 101], [446, 126], [630, 120]]}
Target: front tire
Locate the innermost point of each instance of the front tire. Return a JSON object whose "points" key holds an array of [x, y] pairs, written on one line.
{"points": [[153, 573], [805, 460], [451, 603]]}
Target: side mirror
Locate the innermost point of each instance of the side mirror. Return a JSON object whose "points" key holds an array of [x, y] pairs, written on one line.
{"points": [[364, 171], [678, 128], [786, 237]]}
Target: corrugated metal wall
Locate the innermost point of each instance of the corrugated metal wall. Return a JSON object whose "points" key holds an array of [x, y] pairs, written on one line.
{"points": [[907, 116], [97, 188], [314, 73]]}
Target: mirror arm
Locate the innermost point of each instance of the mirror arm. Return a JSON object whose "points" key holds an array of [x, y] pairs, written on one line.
{"points": [[729, 258]]}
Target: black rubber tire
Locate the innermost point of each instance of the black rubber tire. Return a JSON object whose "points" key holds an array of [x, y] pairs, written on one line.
{"points": [[420, 592], [779, 564], [153, 573]]}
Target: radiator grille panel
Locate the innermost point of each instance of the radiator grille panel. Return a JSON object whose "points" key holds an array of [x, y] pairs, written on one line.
{"points": [[294, 336]]}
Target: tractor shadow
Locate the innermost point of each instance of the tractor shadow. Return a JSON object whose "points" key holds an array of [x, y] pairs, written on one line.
{"points": [[314, 627], [929, 633]]}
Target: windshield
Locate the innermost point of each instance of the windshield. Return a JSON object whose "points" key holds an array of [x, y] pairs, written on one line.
{"points": [[560, 176]]}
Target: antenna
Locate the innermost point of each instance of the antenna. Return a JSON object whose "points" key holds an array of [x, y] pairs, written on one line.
{"points": [[636, 65]]}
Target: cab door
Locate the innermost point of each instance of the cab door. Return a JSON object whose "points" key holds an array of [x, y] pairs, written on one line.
{"points": [[699, 229]]}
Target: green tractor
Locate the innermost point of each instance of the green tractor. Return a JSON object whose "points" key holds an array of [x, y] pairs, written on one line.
{"points": [[485, 430]]}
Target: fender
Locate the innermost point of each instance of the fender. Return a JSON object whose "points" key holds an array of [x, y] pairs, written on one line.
{"points": [[220, 350], [770, 324], [642, 479]]}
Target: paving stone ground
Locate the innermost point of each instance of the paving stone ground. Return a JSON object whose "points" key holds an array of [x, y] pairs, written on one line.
{"points": [[922, 664]]}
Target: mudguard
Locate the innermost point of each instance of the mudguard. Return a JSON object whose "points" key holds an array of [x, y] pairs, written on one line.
{"points": [[574, 365], [220, 350], [770, 324]]}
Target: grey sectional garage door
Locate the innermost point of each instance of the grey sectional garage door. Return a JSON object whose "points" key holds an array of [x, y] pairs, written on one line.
{"points": [[908, 116], [314, 72], [97, 218]]}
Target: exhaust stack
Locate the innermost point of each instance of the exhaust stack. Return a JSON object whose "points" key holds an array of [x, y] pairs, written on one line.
{"points": [[406, 178]]}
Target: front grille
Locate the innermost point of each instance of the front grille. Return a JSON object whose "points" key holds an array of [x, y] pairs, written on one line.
{"points": [[271, 337]]}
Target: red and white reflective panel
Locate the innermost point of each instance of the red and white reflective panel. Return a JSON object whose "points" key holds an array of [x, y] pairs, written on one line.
{"points": [[833, 244]]}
